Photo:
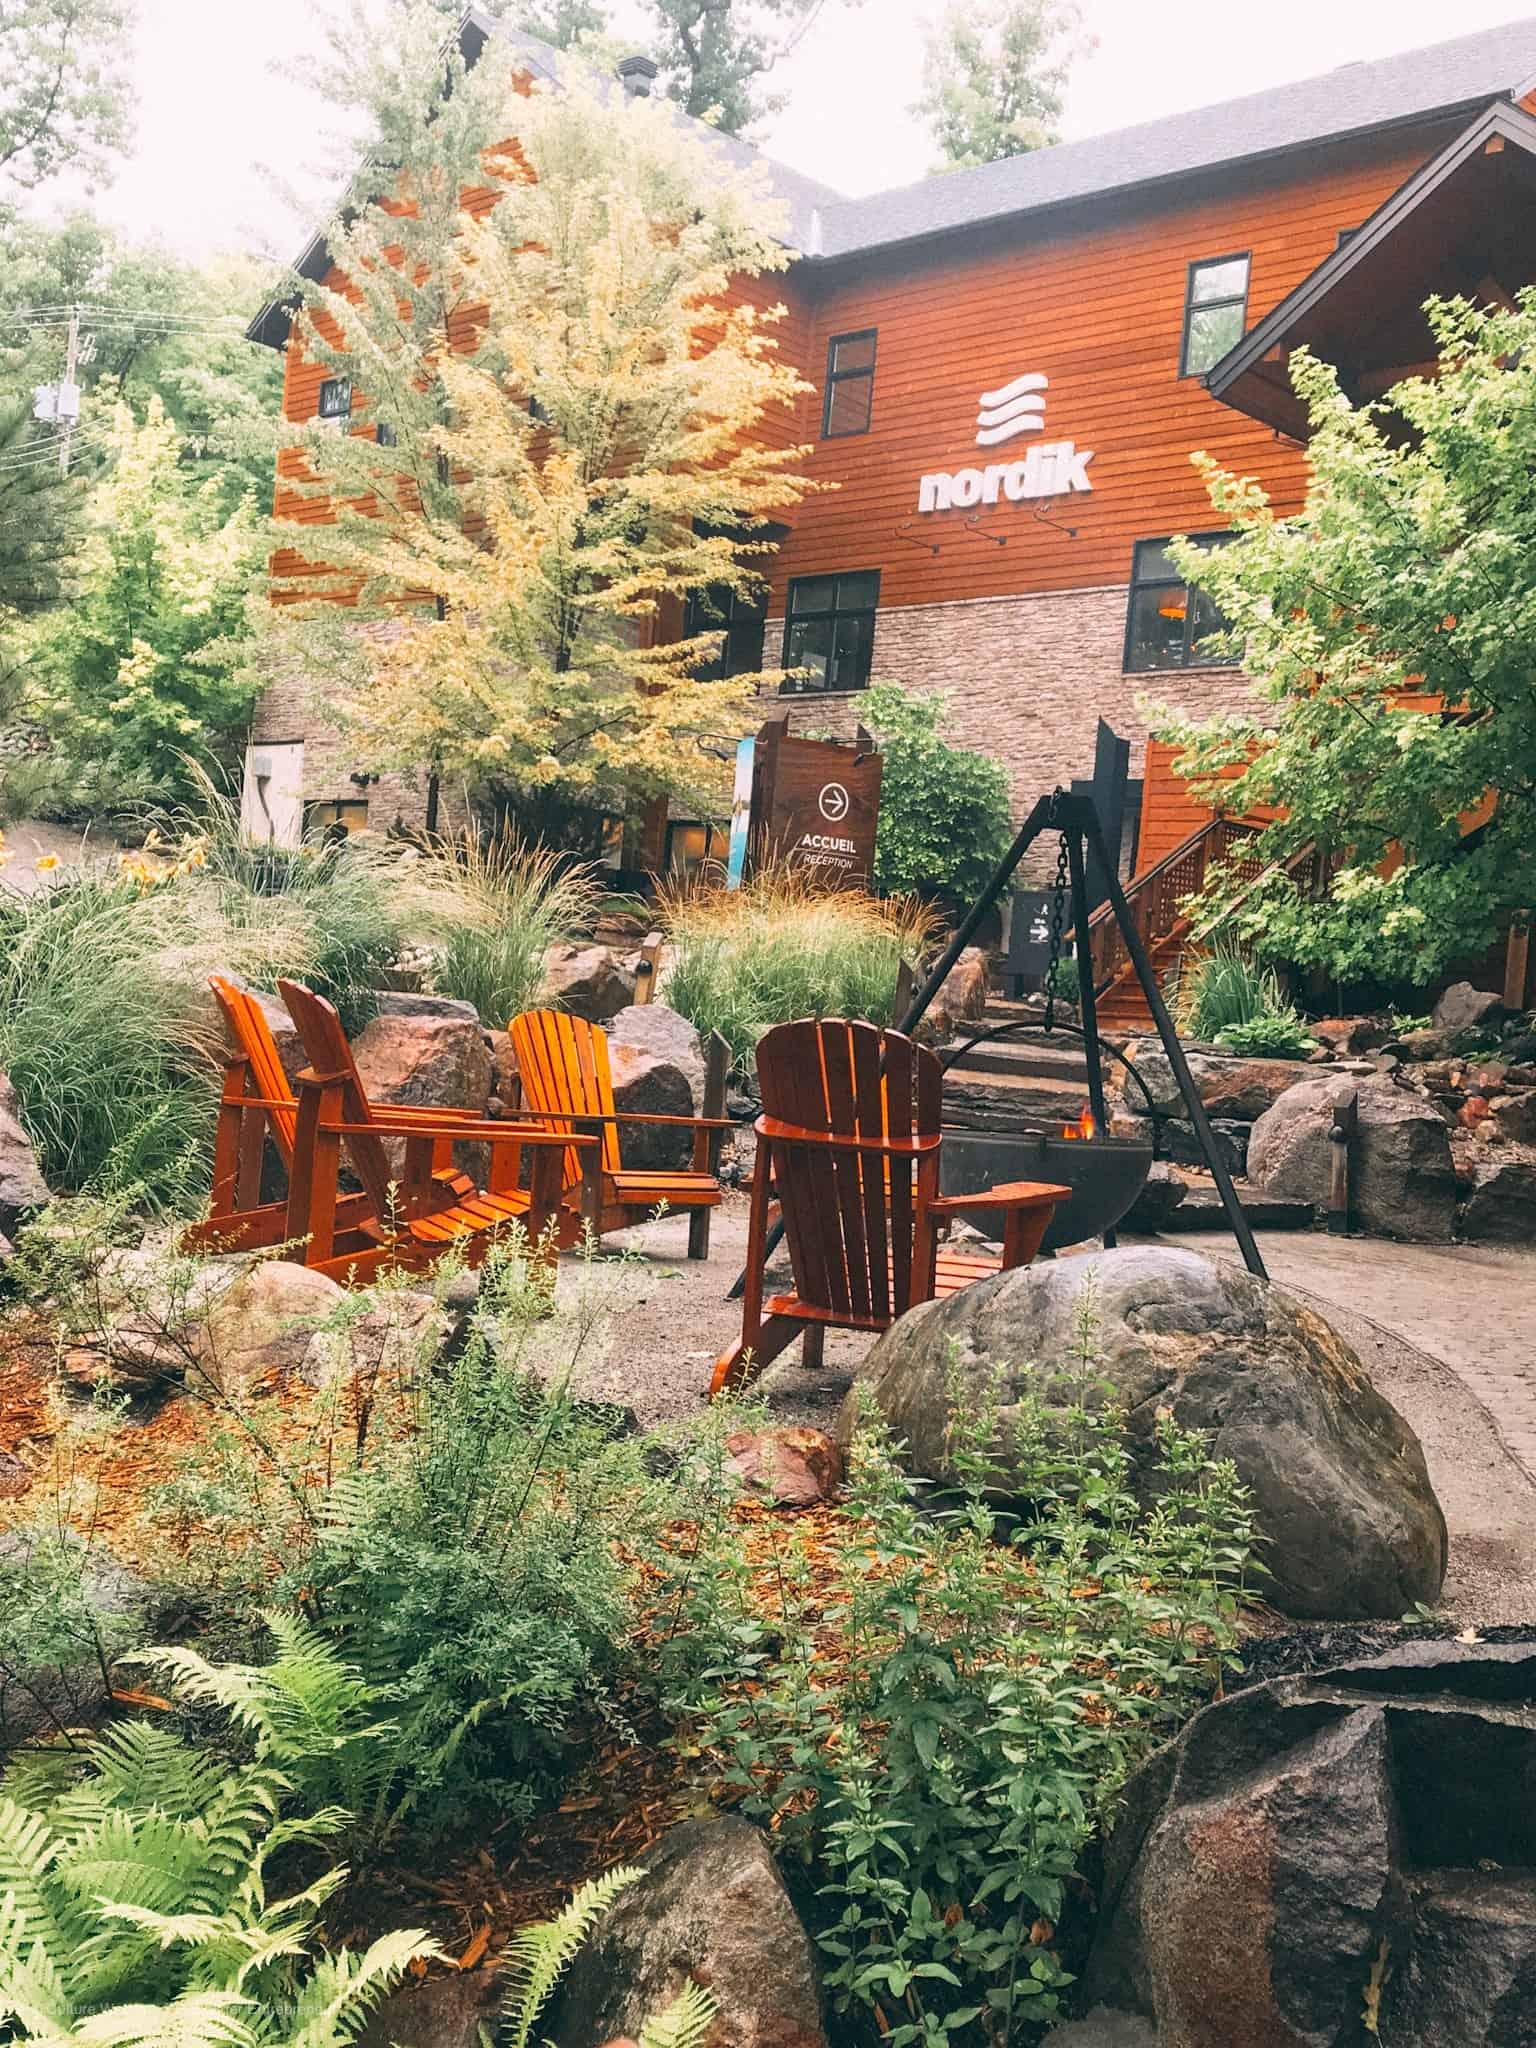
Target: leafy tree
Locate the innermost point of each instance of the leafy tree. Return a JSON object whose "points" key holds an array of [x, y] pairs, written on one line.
{"points": [[565, 23], [994, 77], [715, 53], [64, 101], [944, 811], [1390, 624], [574, 412], [138, 673]]}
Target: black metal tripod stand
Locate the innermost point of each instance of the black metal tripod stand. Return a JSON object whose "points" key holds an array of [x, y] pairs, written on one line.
{"points": [[1075, 818]]}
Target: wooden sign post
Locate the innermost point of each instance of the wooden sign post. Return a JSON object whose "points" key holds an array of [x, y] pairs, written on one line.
{"points": [[816, 806]]}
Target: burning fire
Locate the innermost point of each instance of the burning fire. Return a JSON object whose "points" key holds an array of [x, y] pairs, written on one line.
{"points": [[1083, 1128]]}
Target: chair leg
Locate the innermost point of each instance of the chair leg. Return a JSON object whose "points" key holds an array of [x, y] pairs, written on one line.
{"points": [[698, 1233], [813, 1352], [740, 1366]]}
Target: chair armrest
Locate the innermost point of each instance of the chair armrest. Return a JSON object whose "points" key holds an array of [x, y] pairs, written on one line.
{"points": [[408, 1114], [1012, 1194], [625, 1116], [900, 1148], [481, 1133]]}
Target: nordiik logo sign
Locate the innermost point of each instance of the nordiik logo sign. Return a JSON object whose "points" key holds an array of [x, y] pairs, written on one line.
{"points": [[1048, 471]]}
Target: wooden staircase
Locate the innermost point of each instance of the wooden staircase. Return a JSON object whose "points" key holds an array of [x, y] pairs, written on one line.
{"points": [[1156, 900]]}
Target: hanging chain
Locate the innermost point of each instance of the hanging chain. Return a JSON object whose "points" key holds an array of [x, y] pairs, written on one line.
{"points": [[1058, 926]]}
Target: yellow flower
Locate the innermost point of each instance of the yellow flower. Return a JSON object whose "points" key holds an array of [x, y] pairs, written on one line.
{"points": [[46, 863]]}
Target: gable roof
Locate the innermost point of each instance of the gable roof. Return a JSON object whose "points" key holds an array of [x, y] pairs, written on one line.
{"points": [[1447, 79], [1444, 82], [1454, 226]]}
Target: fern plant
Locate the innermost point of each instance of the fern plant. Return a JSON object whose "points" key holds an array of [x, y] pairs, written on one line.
{"points": [[309, 1713], [540, 1954], [134, 1906]]}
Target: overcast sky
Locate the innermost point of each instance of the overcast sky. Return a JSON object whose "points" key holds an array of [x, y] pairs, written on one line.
{"points": [[213, 113]]}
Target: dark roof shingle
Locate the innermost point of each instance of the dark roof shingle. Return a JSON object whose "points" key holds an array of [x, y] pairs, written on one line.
{"points": [[1415, 85]]}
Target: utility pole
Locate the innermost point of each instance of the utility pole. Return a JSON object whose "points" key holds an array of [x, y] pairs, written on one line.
{"points": [[70, 390]]}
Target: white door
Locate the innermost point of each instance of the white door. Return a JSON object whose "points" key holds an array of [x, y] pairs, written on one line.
{"points": [[272, 796]]}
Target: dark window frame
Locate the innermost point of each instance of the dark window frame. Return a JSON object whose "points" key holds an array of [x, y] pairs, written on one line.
{"points": [[1192, 305], [837, 612], [835, 377], [333, 386], [385, 435], [742, 619], [1191, 658]]}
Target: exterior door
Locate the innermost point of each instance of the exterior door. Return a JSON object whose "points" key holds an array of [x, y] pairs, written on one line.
{"points": [[272, 795]]}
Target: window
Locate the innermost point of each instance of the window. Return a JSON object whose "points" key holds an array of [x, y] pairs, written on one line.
{"points": [[830, 630], [1169, 618], [338, 820], [850, 384], [335, 398], [1215, 309], [384, 434], [742, 620]]}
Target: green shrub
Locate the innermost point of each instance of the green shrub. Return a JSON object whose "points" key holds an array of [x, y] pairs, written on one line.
{"points": [[1066, 980], [135, 1907], [942, 1729], [748, 959], [514, 901], [945, 812], [1278, 1036], [1223, 987]]}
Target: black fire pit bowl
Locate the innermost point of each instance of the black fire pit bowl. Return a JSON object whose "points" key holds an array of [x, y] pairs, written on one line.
{"points": [[1105, 1176]]}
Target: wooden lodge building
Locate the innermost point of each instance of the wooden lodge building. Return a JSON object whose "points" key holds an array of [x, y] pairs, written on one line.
{"points": [[1013, 365]]}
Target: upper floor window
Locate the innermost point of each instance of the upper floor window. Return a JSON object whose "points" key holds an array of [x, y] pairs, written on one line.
{"points": [[335, 398], [829, 630], [850, 395], [385, 435], [741, 623], [1215, 311], [1170, 620]]}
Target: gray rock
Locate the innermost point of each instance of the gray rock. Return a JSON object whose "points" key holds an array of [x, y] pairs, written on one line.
{"points": [[1501, 1208], [408, 1004], [399, 1333], [457, 2009], [1153, 1207], [1307, 1839], [262, 1329], [51, 1671], [436, 1059], [1462, 1006], [1402, 1181], [713, 1907], [23, 1190], [658, 1070], [1229, 1086], [589, 981], [1103, 2029], [1182, 1144], [1350, 1523]]}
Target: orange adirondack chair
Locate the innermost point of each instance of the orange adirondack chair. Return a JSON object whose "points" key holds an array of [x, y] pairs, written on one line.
{"points": [[406, 1219], [567, 1083], [849, 1143], [258, 1101]]}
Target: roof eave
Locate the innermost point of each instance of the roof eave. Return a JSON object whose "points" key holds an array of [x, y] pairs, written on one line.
{"points": [[1501, 118]]}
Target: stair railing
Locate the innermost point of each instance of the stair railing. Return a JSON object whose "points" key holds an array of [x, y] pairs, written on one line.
{"points": [[1155, 898]]}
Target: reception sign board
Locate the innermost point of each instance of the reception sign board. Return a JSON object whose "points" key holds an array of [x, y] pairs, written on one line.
{"points": [[816, 806]]}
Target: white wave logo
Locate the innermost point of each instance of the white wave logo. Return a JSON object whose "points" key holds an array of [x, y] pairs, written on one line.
{"points": [[1016, 409]]}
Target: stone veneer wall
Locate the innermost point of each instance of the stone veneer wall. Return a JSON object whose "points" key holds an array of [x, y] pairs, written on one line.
{"points": [[286, 710], [1028, 679]]}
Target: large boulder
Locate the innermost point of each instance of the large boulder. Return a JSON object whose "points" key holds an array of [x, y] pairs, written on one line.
{"points": [[589, 981], [1501, 1208], [260, 1332], [23, 1190], [961, 1000], [657, 1059], [1349, 1522], [712, 1907], [1462, 1007], [1321, 1861], [428, 1051], [787, 1467], [1402, 1180], [1229, 1086]]}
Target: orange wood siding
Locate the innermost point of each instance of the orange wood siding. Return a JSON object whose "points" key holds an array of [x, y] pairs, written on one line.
{"points": [[1099, 308]]}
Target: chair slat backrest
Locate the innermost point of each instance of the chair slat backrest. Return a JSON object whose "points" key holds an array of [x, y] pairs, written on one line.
{"points": [[562, 1062], [329, 1055], [251, 1035], [849, 1212]]}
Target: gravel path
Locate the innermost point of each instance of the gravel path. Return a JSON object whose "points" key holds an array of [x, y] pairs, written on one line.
{"points": [[1447, 1333]]}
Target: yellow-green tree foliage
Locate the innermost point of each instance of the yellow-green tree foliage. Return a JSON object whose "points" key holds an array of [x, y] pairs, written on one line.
{"points": [[582, 410]]}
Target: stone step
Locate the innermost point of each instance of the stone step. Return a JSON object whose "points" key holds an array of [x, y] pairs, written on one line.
{"points": [[999, 1102], [1058, 1059], [1201, 1209]]}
